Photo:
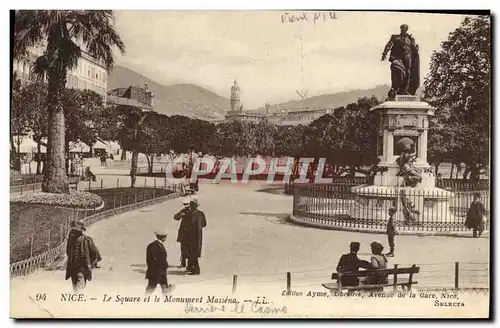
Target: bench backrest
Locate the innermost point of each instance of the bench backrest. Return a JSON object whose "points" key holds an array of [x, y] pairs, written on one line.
{"points": [[365, 273]]}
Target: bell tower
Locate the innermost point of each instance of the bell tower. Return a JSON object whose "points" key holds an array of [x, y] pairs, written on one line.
{"points": [[234, 102]]}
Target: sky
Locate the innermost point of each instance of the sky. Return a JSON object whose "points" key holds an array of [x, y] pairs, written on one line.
{"points": [[271, 57]]}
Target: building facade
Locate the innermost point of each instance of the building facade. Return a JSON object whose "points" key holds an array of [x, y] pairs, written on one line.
{"points": [[140, 97], [89, 74], [283, 117]]}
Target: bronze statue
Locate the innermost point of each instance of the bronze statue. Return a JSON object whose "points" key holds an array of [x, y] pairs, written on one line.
{"points": [[405, 161], [405, 63], [410, 213]]}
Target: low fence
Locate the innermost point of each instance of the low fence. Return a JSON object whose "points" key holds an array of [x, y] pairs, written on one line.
{"points": [[27, 188], [25, 179], [35, 245], [418, 210], [432, 276]]}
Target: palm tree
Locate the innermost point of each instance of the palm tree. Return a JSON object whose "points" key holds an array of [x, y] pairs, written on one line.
{"points": [[61, 30]]}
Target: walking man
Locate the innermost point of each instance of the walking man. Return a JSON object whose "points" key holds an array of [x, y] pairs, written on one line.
{"points": [[156, 260], [183, 234], [196, 224], [391, 231], [82, 255], [475, 216]]}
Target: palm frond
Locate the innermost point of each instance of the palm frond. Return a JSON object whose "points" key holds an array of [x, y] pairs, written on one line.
{"points": [[29, 29], [39, 68], [95, 28]]}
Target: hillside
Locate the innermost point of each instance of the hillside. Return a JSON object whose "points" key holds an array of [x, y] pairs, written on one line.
{"points": [[176, 99], [333, 100], [194, 101]]}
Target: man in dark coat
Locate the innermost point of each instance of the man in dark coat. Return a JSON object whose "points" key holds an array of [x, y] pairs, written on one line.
{"points": [[196, 223], [350, 263], [183, 234], [82, 254], [156, 259], [475, 216]]}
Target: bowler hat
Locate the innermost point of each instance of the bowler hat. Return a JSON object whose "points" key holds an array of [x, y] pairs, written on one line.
{"points": [[77, 225]]}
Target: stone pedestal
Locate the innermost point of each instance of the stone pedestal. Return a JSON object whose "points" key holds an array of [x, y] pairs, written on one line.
{"points": [[406, 117]]}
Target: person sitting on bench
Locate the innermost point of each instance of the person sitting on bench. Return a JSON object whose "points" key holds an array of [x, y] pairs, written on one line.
{"points": [[378, 262], [350, 263], [89, 175]]}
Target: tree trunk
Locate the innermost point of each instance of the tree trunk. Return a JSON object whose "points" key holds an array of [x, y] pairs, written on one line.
{"points": [[150, 167], [451, 172], [38, 157], [474, 172], [133, 168], [55, 179], [466, 172], [13, 151], [66, 151], [124, 155]]}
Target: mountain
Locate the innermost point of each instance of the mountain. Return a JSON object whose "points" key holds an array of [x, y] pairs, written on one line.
{"points": [[194, 101], [175, 99], [333, 100]]}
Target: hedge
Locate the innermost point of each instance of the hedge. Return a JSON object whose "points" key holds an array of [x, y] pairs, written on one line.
{"points": [[75, 199]]}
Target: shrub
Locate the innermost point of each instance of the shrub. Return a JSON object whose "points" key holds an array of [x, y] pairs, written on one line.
{"points": [[75, 199]]}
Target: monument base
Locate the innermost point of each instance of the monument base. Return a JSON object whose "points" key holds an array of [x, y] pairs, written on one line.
{"points": [[390, 178], [429, 206]]}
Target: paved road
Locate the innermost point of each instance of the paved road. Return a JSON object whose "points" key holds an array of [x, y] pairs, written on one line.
{"points": [[247, 235]]}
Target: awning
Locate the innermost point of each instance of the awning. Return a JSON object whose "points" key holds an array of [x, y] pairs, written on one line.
{"points": [[78, 147], [99, 145], [28, 145]]}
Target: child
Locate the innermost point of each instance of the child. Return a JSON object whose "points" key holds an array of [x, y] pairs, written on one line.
{"points": [[391, 231]]}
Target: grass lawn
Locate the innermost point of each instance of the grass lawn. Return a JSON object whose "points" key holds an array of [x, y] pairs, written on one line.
{"points": [[46, 226]]}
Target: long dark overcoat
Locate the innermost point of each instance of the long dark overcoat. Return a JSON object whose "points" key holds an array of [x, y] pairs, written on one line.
{"points": [[475, 215], [196, 222]]}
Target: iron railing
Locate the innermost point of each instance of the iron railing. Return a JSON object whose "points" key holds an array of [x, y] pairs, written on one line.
{"points": [[342, 205], [34, 246]]}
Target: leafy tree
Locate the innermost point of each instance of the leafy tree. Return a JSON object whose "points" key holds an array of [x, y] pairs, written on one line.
{"points": [[263, 135], [60, 30], [125, 124], [18, 120], [458, 86], [347, 139], [83, 110], [34, 102]]}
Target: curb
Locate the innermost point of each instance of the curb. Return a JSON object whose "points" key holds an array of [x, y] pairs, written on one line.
{"points": [[304, 222]]}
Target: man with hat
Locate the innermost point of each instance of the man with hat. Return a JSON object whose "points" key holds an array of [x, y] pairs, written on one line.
{"points": [[82, 254], [196, 223], [183, 233], [475, 216], [350, 263], [156, 260], [391, 231]]}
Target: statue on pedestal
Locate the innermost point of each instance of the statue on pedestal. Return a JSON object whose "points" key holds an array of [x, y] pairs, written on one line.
{"points": [[405, 63], [405, 161]]}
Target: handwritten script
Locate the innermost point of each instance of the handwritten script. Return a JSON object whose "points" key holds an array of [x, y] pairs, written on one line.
{"points": [[238, 307], [308, 17]]}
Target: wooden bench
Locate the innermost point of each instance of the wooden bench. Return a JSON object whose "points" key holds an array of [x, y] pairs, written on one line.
{"points": [[73, 182], [393, 281], [187, 190]]}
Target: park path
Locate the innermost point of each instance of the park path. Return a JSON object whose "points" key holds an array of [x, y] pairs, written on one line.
{"points": [[247, 235]]}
